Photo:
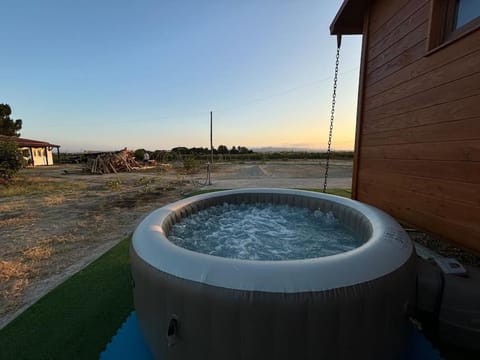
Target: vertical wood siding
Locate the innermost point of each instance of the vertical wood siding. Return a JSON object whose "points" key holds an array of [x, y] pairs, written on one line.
{"points": [[418, 132]]}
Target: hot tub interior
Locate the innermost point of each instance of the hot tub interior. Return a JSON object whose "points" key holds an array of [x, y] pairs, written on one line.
{"points": [[263, 231]]}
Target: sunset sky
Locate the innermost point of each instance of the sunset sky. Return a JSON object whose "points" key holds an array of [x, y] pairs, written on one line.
{"points": [[103, 75]]}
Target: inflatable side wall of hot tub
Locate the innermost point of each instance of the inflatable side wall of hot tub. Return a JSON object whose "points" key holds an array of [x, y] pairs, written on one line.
{"points": [[348, 306]]}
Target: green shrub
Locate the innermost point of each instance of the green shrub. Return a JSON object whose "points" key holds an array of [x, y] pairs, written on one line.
{"points": [[139, 153], [190, 165], [10, 159], [113, 184]]}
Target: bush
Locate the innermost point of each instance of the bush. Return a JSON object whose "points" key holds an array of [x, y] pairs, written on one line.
{"points": [[139, 153], [190, 165], [10, 160]]}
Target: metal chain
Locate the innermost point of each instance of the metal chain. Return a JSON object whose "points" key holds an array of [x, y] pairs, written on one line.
{"points": [[332, 118]]}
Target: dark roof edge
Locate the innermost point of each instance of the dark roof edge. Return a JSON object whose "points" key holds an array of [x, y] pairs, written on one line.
{"points": [[349, 18], [21, 142]]}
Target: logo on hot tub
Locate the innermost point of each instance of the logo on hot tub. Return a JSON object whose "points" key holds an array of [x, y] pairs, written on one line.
{"points": [[396, 236]]}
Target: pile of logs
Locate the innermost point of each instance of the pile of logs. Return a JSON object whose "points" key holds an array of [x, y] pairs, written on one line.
{"points": [[112, 162]]}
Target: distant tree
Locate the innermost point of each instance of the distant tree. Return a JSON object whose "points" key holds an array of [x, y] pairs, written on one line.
{"points": [[159, 155], [222, 149], [10, 159], [234, 150], [180, 150], [8, 126], [198, 150], [243, 150], [139, 153]]}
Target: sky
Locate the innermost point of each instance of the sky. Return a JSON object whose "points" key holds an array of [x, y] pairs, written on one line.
{"points": [[104, 75]]}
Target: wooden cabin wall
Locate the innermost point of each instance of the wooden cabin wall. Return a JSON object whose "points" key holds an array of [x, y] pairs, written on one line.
{"points": [[418, 131]]}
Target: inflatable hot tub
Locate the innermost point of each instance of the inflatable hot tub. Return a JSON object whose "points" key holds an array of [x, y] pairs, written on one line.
{"points": [[351, 305]]}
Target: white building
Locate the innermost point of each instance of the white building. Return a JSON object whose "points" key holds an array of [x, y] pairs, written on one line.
{"points": [[35, 152]]}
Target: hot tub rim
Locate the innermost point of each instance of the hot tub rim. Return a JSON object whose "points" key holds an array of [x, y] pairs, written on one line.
{"points": [[387, 249]]}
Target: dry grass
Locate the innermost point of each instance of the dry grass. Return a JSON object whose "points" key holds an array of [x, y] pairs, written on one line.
{"points": [[21, 186], [60, 239], [38, 253], [53, 200], [17, 274], [14, 278], [23, 266], [12, 269], [15, 220], [50, 220], [9, 206], [14, 290]]}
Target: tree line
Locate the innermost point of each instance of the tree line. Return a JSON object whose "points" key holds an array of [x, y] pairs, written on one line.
{"points": [[221, 149], [235, 153]]}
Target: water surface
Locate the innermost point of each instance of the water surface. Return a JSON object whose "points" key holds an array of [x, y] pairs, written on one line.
{"points": [[263, 232]]}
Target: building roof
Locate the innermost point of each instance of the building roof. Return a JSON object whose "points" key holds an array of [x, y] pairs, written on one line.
{"points": [[349, 18], [21, 142]]}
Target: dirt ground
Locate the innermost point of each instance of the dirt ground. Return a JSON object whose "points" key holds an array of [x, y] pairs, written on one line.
{"points": [[57, 219]]}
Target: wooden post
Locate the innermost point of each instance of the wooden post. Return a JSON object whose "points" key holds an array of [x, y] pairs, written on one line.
{"points": [[31, 156]]}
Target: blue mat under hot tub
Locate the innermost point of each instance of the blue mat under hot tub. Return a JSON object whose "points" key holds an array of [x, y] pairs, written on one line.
{"points": [[128, 343]]}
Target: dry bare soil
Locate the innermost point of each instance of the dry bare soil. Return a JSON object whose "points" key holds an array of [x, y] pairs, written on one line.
{"points": [[55, 220]]}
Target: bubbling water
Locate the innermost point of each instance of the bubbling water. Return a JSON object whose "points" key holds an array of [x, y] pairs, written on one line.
{"points": [[263, 231]]}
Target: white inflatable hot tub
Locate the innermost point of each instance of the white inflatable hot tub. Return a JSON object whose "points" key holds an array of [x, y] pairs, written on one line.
{"points": [[350, 305]]}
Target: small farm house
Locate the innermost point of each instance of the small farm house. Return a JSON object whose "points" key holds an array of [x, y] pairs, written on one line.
{"points": [[34, 152], [417, 150]]}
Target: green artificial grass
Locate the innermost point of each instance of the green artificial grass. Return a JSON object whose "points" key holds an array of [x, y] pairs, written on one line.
{"points": [[77, 319], [340, 192]]}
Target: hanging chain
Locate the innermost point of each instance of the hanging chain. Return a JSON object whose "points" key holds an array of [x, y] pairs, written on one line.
{"points": [[332, 118]]}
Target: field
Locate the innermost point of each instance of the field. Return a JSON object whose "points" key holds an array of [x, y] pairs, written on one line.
{"points": [[55, 220]]}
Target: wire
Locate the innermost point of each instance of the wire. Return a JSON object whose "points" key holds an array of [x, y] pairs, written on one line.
{"points": [[201, 114]]}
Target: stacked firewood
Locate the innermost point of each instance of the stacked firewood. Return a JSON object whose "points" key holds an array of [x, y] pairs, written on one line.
{"points": [[112, 162]]}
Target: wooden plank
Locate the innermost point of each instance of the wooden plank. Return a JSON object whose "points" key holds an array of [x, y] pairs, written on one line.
{"points": [[410, 209], [463, 67], [447, 190], [462, 171], [361, 91], [446, 93], [415, 36], [461, 213], [411, 55], [385, 12], [409, 18], [461, 48], [467, 129], [461, 109], [446, 151]]}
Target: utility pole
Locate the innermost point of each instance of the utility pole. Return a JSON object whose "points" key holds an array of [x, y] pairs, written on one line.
{"points": [[211, 137], [210, 164]]}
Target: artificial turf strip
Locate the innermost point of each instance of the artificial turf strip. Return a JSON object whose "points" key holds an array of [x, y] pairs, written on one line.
{"points": [[78, 318]]}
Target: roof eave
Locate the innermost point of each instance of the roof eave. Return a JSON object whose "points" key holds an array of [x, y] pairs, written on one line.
{"points": [[349, 18], [21, 142]]}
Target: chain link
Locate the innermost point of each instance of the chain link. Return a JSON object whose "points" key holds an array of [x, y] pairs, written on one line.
{"points": [[332, 118]]}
